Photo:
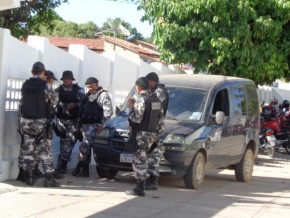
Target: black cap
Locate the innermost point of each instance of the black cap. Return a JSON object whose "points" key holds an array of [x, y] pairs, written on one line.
{"points": [[49, 74], [142, 82], [91, 80], [153, 77], [67, 75], [38, 67]]}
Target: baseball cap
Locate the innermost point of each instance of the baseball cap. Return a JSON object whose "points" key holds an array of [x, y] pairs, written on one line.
{"points": [[49, 74], [38, 67], [91, 80]]}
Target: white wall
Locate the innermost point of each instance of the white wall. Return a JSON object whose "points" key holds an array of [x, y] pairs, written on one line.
{"points": [[114, 72], [15, 66], [54, 58], [9, 4]]}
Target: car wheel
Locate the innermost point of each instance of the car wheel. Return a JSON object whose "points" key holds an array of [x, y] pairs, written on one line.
{"points": [[195, 173], [106, 173], [244, 169]]}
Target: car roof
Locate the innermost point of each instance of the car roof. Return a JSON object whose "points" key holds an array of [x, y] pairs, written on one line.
{"points": [[199, 81]]}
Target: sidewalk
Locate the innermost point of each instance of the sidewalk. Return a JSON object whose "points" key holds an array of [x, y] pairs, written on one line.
{"points": [[268, 195]]}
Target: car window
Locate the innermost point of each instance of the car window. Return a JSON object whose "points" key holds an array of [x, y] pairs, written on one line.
{"points": [[184, 103], [221, 102], [239, 101]]}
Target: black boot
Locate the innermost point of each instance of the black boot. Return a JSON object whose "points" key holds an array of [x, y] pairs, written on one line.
{"points": [[151, 183], [78, 168], [37, 173], [63, 167], [50, 181], [30, 179], [57, 175], [139, 190], [22, 175], [85, 172]]}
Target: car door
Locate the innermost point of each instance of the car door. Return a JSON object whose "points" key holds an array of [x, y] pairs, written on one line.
{"points": [[220, 136], [239, 121]]}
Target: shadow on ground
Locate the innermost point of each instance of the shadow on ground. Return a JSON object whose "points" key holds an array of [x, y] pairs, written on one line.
{"points": [[219, 194]]}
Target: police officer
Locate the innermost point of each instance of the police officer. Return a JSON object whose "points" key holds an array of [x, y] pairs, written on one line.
{"points": [[96, 109], [144, 116], [33, 107], [154, 153], [67, 124]]}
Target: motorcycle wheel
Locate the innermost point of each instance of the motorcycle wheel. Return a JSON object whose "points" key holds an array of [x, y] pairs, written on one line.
{"points": [[271, 151]]}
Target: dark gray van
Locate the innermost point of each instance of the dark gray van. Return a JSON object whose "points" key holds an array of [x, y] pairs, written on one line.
{"points": [[212, 122]]}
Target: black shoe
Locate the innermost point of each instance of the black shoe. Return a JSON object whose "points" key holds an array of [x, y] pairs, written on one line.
{"points": [[63, 167], [37, 173], [139, 190], [57, 175], [78, 168], [30, 179], [151, 183], [50, 181], [22, 175], [85, 172]]}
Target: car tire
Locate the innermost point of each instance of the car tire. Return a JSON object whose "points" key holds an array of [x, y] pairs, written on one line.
{"points": [[106, 173], [194, 177], [244, 169]]}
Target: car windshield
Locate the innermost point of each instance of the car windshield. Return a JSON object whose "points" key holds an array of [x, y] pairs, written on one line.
{"points": [[185, 104]]}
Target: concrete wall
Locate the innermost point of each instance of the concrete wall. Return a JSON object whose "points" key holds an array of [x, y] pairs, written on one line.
{"points": [[9, 4], [115, 72]]}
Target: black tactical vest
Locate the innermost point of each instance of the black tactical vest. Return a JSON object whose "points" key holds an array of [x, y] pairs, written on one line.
{"points": [[166, 100], [151, 114], [90, 111], [34, 105], [66, 97]]}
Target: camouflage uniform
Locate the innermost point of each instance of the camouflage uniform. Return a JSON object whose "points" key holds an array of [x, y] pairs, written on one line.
{"points": [[35, 145], [144, 140], [154, 155], [89, 130], [69, 128]]}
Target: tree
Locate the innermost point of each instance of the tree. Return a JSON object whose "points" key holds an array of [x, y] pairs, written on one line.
{"points": [[30, 15], [112, 28], [245, 38], [87, 30]]}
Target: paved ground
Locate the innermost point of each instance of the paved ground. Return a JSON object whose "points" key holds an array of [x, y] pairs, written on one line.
{"points": [[268, 195]]}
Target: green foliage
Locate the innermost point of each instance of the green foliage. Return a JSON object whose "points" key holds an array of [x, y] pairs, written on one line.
{"points": [[30, 16], [245, 38]]}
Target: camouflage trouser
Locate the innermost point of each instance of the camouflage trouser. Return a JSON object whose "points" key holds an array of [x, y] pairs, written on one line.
{"points": [[35, 145], [140, 157], [69, 127], [89, 134], [153, 161]]}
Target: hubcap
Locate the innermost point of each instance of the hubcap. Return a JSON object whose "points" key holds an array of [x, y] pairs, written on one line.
{"points": [[248, 166], [199, 171]]}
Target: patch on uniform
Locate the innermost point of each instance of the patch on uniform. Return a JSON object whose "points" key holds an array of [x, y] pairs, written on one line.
{"points": [[156, 105]]}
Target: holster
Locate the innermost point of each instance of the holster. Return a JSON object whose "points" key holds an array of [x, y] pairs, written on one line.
{"points": [[153, 146], [131, 144], [49, 131], [57, 131]]}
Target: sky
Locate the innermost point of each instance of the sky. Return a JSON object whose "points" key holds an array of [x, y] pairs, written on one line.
{"points": [[82, 11]]}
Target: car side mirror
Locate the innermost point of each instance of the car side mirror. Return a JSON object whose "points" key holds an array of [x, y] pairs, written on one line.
{"points": [[117, 110], [219, 117]]}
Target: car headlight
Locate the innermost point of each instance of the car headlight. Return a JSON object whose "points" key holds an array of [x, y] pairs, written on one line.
{"points": [[104, 134], [173, 139]]}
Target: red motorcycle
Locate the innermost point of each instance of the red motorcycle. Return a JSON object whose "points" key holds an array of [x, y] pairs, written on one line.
{"points": [[277, 119]]}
